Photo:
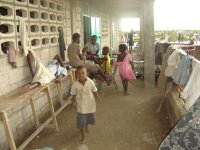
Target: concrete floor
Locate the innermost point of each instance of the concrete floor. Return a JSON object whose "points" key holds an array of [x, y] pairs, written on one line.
{"points": [[123, 123]]}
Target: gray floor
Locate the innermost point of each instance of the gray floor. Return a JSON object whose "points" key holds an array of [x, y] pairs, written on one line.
{"points": [[123, 123]]}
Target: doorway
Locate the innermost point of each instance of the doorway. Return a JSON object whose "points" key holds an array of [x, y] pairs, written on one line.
{"points": [[86, 29], [96, 30]]}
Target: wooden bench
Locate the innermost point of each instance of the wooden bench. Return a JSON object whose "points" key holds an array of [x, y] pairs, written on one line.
{"points": [[21, 96]]}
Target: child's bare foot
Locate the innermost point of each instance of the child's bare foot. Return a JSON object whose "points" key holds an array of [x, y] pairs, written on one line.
{"points": [[126, 94], [82, 141]]}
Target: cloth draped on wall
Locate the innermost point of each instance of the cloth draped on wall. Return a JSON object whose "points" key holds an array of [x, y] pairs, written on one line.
{"points": [[23, 35], [173, 61], [185, 135], [12, 56], [9, 49], [162, 80], [62, 46], [56, 69], [191, 92], [182, 73], [42, 75]]}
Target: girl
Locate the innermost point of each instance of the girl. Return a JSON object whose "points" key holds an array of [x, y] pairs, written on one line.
{"points": [[125, 70]]}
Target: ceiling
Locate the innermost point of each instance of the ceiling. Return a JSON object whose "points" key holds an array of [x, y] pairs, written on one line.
{"points": [[124, 8]]}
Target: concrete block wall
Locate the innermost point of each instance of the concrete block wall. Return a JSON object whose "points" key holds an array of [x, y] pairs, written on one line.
{"points": [[42, 23], [43, 18]]}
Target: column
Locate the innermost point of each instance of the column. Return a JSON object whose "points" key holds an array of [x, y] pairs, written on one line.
{"points": [[148, 42]]}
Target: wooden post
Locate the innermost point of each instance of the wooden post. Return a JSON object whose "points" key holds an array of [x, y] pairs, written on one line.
{"points": [[8, 130], [52, 108], [60, 93], [34, 113]]}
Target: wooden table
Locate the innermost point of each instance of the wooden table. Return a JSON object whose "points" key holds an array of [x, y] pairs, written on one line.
{"points": [[21, 96]]}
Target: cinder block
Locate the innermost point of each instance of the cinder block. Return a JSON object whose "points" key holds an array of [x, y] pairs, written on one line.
{"points": [[44, 16], [10, 32], [52, 5], [59, 18], [21, 60], [21, 12], [44, 4], [34, 14], [44, 29], [10, 11], [45, 42], [54, 40], [4, 79], [35, 42], [53, 29], [23, 2], [59, 8], [34, 29], [53, 17], [34, 4]]}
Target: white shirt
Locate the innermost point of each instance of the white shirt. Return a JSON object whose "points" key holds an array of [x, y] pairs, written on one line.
{"points": [[84, 96], [93, 48]]}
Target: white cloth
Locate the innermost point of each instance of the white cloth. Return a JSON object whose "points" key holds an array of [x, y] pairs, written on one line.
{"points": [[191, 92], [42, 75], [173, 61], [23, 35], [84, 96], [56, 69]]}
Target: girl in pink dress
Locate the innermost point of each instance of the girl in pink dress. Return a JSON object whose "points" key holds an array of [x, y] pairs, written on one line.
{"points": [[125, 69]]}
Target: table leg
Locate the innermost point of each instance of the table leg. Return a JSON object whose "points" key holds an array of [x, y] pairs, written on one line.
{"points": [[52, 109], [8, 130], [37, 124]]}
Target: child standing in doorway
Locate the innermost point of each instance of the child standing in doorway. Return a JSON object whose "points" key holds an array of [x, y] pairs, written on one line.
{"points": [[125, 69], [84, 93]]}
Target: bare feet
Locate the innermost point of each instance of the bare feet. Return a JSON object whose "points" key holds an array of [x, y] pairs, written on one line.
{"points": [[126, 94]]}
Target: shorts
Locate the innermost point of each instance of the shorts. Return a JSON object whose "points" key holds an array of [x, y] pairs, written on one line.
{"points": [[84, 119], [93, 68]]}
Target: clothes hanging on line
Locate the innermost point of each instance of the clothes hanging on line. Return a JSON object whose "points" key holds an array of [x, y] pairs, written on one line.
{"points": [[191, 92], [173, 61], [182, 73]]}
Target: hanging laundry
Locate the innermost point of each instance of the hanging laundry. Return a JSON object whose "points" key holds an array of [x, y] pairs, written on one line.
{"points": [[173, 61], [191, 92], [23, 35], [162, 80], [12, 55], [61, 41], [182, 73]]}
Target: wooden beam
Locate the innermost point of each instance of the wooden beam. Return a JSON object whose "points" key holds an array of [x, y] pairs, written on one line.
{"points": [[8, 130], [36, 121]]}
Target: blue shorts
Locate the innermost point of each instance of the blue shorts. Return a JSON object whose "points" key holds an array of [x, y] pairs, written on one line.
{"points": [[84, 119]]}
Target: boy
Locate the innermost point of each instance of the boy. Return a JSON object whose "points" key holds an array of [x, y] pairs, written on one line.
{"points": [[84, 93]]}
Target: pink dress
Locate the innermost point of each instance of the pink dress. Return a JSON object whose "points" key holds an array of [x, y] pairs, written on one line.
{"points": [[125, 69]]}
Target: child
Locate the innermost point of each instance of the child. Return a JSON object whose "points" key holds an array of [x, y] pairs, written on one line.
{"points": [[84, 92], [105, 61], [125, 70]]}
